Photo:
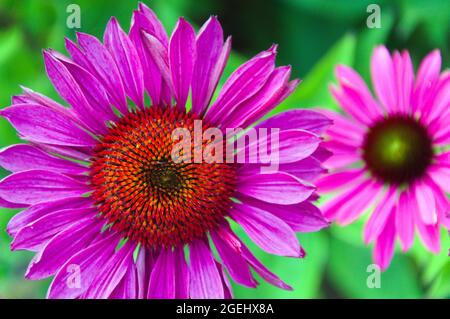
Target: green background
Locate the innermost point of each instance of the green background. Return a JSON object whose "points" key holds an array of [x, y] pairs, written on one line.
{"points": [[313, 36]]}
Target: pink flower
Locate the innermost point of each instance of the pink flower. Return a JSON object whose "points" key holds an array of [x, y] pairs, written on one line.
{"points": [[391, 152], [106, 209]]}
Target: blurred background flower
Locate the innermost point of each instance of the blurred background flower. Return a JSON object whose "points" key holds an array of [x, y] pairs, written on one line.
{"points": [[314, 36]]}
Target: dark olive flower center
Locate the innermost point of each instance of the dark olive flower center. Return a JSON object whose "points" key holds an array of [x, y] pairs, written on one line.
{"points": [[147, 196], [398, 150]]}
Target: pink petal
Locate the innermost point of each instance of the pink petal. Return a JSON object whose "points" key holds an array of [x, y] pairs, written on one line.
{"points": [[246, 81], [212, 56], [162, 280], [38, 233], [380, 215], [277, 188], [69, 89], [37, 186], [404, 220], [312, 121], [385, 243], [181, 274], [229, 250], [205, 279], [425, 203], [383, 79], [254, 108], [106, 69], [23, 157], [427, 76], [266, 230], [35, 212], [63, 246], [302, 217], [334, 181], [182, 56], [43, 125], [404, 78], [90, 261], [127, 61]]}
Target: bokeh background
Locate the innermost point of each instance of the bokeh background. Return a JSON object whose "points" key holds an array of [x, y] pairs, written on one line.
{"points": [[313, 36]]}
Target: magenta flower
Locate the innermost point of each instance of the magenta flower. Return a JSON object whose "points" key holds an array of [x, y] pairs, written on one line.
{"points": [[391, 153], [106, 209]]}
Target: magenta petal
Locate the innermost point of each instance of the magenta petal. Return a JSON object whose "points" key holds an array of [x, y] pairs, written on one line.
{"points": [[22, 157], [308, 169], [212, 56], [6, 204], [380, 216], [127, 288], [37, 186], [262, 270], [93, 91], [266, 230], [35, 212], [382, 70], [181, 274], [307, 120], [144, 264], [404, 220], [254, 108], [36, 234], [384, 245], [31, 97], [246, 81], [205, 279], [127, 61], [162, 279], [229, 250], [106, 70], [292, 146], [302, 217], [111, 273], [160, 56], [69, 89], [182, 56], [278, 188], [43, 125], [86, 264], [63, 246]]}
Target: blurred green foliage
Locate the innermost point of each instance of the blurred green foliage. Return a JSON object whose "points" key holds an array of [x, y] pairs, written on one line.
{"points": [[314, 36]]}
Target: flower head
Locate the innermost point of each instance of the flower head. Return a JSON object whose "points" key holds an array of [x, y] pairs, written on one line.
{"points": [[110, 212], [391, 152]]}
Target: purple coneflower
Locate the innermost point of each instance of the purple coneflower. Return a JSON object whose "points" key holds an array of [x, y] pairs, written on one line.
{"points": [[108, 212], [391, 153]]}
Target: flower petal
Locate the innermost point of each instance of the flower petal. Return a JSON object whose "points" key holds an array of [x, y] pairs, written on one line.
{"points": [[266, 230], [37, 186], [182, 56], [43, 125], [127, 61], [277, 188], [22, 157], [205, 279], [385, 243], [162, 280], [404, 220], [229, 250], [212, 55], [78, 273], [311, 121], [382, 71], [246, 81]]}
